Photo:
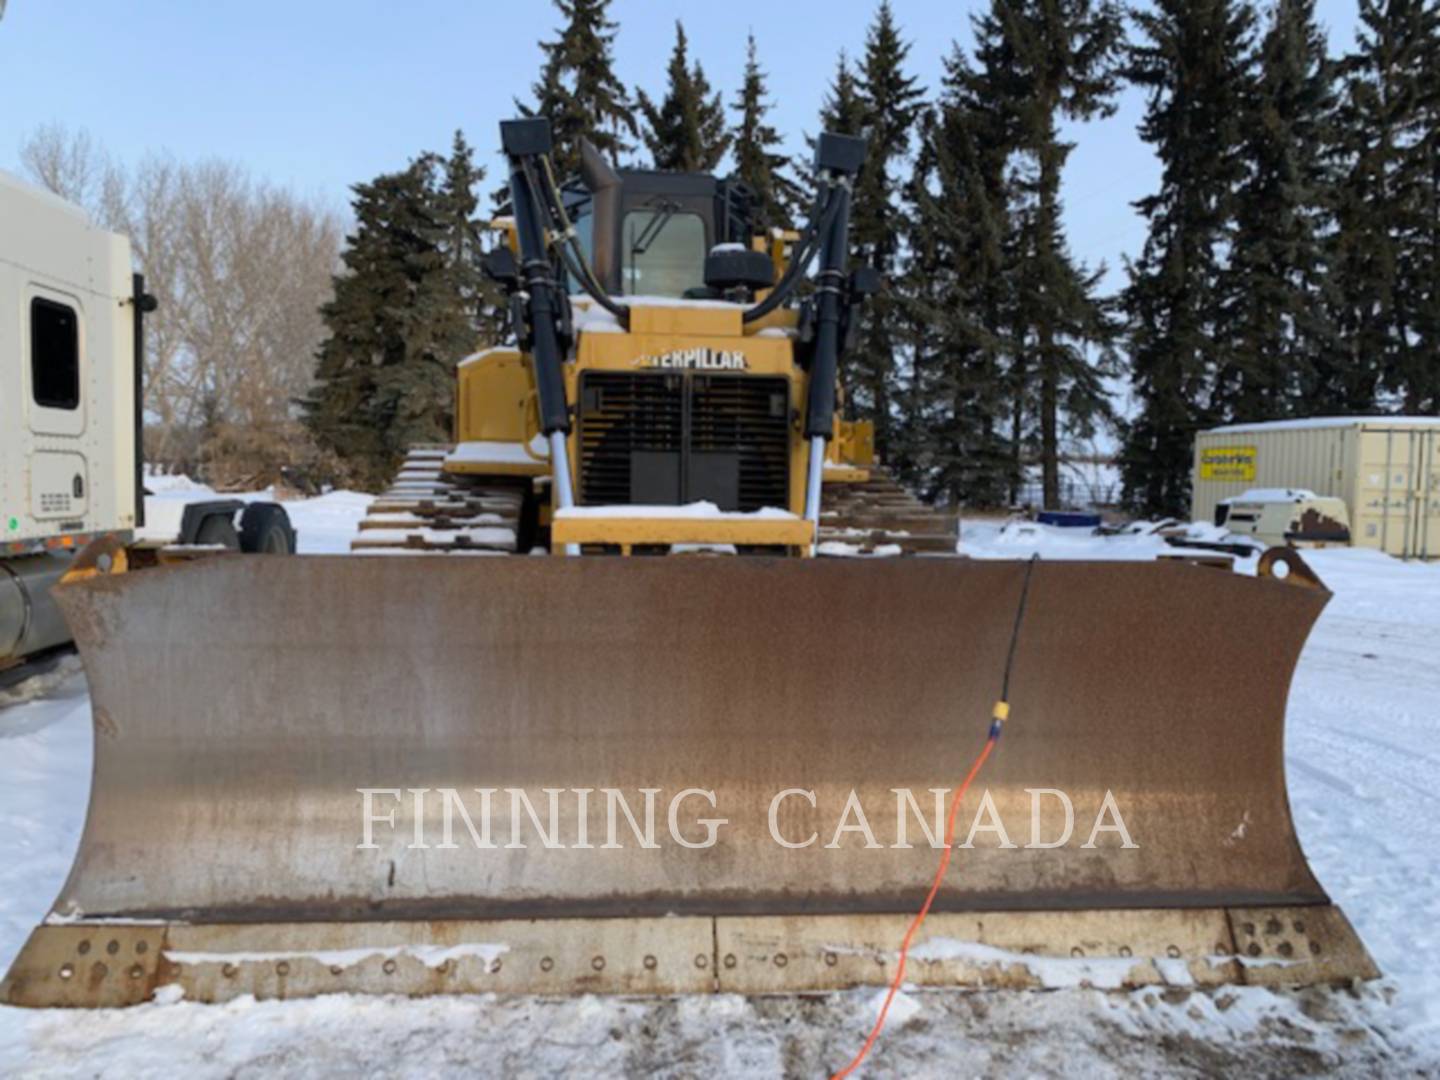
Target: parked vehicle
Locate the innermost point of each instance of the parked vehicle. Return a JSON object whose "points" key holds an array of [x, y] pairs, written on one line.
{"points": [[72, 319]]}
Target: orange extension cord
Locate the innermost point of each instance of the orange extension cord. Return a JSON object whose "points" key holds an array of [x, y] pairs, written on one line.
{"points": [[929, 899], [998, 717]]}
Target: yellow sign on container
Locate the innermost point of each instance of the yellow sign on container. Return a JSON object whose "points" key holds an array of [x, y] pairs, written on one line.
{"points": [[1227, 463]]}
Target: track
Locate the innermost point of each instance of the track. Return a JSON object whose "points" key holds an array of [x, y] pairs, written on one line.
{"points": [[878, 516], [426, 509]]}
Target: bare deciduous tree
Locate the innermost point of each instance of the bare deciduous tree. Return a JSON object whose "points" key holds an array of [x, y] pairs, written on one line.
{"points": [[71, 164], [240, 267]]}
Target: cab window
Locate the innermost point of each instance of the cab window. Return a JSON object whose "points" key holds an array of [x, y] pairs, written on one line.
{"points": [[585, 233], [664, 252], [584, 222], [54, 354]]}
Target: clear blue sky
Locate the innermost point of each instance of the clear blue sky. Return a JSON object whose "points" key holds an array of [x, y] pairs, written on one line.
{"points": [[318, 94]]}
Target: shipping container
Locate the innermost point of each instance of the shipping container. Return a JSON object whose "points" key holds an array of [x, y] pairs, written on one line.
{"points": [[1385, 468]]}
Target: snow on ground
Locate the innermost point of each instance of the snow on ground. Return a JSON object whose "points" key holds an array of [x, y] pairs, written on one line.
{"points": [[988, 538], [44, 786], [1363, 755], [325, 525]]}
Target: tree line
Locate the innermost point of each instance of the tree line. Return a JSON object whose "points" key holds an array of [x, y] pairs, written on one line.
{"points": [[241, 268], [1290, 265], [1289, 268], [411, 301]]}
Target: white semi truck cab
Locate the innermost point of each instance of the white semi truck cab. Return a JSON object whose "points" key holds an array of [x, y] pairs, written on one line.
{"points": [[69, 321], [71, 337]]}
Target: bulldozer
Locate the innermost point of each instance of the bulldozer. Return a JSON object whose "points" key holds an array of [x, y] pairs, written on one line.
{"points": [[677, 396], [690, 748]]}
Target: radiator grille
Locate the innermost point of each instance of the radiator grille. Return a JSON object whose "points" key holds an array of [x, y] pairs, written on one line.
{"points": [[676, 437], [626, 420], [749, 416]]}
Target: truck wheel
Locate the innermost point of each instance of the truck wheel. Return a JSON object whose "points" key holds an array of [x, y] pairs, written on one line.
{"points": [[265, 529], [218, 529]]}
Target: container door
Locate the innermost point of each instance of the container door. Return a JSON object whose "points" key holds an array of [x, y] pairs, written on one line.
{"points": [[1382, 503], [1422, 493], [1428, 505]]}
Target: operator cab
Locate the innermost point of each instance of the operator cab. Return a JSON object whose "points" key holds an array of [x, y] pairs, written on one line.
{"points": [[650, 233]]}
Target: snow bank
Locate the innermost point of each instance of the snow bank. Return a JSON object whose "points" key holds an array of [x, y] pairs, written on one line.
{"points": [[323, 525], [326, 525], [45, 751], [987, 538], [158, 483], [1021, 539], [930, 1034]]}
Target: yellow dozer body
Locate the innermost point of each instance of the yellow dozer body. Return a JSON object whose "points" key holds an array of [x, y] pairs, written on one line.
{"points": [[602, 771], [658, 423]]}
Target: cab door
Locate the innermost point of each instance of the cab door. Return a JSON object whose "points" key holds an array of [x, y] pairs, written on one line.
{"points": [[55, 406]]}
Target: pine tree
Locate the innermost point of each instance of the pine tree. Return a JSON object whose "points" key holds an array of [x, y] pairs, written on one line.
{"points": [[1276, 326], [1194, 61], [1423, 266], [843, 111], [1383, 255], [578, 91], [954, 446], [778, 196], [460, 203], [364, 332], [989, 90], [1063, 60], [404, 312], [890, 101], [686, 131]]}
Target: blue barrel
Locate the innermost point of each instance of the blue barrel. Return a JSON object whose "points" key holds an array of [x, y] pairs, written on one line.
{"points": [[1068, 519]]}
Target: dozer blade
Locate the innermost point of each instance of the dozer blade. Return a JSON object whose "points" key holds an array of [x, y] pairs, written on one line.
{"points": [[243, 708]]}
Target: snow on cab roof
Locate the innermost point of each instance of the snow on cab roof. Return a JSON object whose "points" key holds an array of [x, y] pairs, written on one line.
{"points": [[1327, 422]]}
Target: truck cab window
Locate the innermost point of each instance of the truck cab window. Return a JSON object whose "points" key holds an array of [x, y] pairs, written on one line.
{"points": [[54, 354], [664, 252]]}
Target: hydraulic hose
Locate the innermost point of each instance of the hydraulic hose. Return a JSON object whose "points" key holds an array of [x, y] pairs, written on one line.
{"points": [[803, 253], [568, 245]]}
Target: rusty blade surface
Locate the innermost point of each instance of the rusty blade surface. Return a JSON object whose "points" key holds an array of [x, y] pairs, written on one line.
{"points": [[241, 703]]}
